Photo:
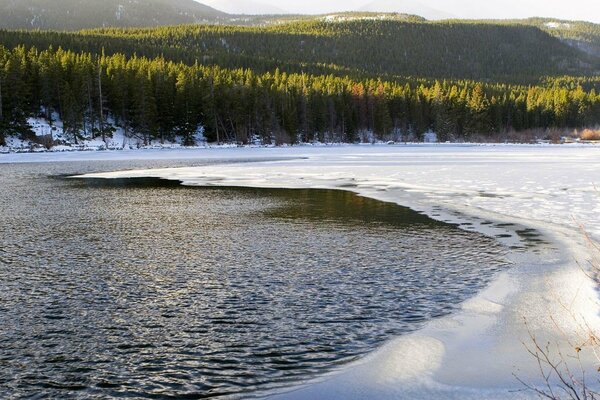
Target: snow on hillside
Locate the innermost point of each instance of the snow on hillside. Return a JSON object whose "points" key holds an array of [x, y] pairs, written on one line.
{"points": [[558, 25], [346, 17], [48, 133], [472, 354]]}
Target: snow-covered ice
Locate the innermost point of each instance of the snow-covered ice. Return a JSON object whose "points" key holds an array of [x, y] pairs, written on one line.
{"points": [[476, 352]]}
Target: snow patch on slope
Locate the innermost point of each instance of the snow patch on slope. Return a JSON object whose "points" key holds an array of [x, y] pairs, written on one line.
{"points": [[558, 25], [349, 17], [53, 134]]}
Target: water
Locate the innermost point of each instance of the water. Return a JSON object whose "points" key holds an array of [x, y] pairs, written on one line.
{"points": [[144, 288]]}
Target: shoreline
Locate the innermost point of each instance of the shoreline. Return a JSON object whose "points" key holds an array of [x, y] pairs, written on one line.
{"points": [[459, 356], [174, 152], [450, 356]]}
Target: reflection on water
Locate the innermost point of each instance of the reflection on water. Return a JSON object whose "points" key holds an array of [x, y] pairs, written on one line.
{"points": [[145, 288]]}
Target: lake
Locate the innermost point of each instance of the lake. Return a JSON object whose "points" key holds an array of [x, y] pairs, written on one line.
{"points": [[146, 288]]}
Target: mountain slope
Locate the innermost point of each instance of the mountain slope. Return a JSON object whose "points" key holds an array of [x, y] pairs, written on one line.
{"points": [[582, 35], [82, 14], [375, 47]]}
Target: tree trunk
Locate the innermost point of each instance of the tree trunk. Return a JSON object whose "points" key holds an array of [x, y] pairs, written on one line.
{"points": [[125, 135], [212, 96], [125, 123], [217, 129], [91, 112], [101, 104], [1, 114]]}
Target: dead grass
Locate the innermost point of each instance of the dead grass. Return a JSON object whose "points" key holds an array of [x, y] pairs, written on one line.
{"points": [[590, 134]]}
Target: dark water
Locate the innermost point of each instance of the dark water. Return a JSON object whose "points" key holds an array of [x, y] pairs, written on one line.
{"points": [[146, 289]]}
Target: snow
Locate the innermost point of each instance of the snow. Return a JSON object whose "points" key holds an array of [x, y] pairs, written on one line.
{"points": [[430, 137], [117, 141], [474, 353], [349, 18], [557, 25], [40, 126], [120, 11]]}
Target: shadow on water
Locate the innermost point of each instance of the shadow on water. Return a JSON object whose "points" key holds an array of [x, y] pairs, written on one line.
{"points": [[318, 205]]}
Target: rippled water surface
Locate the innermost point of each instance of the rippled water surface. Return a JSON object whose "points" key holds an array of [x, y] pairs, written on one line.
{"points": [[144, 288]]}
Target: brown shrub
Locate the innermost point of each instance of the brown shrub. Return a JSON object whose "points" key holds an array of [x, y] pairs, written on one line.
{"points": [[590, 134]]}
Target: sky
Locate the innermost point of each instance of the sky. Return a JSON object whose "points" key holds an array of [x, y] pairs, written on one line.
{"points": [[587, 10]]}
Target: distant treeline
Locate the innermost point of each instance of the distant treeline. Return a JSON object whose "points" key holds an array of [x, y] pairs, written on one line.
{"points": [[157, 98], [362, 48]]}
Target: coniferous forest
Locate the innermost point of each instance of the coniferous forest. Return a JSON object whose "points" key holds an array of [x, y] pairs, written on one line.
{"points": [[298, 82]]}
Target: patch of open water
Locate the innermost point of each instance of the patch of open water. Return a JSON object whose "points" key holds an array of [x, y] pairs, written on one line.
{"points": [[145, 288]]}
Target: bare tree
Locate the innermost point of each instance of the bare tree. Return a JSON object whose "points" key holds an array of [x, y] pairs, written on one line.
{"points": [[564, 376]]}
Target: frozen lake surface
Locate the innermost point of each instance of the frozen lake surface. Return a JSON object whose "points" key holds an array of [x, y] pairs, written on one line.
{"points": [[506, 192]]}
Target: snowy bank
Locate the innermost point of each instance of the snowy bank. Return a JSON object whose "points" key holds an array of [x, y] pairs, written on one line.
{"points": [[476, 352], [51, 136]]}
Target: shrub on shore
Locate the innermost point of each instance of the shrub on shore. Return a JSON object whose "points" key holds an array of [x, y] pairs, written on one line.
{"points": [[590, 134]]}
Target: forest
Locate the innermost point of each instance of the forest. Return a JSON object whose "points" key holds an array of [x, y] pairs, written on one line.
{"points": [[389, 49], [297, 82], [82, 14]]}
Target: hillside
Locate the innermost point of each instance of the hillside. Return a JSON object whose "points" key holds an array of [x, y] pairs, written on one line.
{"points": [[375, 47], [72, 15], [583, 35], [82, 14]]}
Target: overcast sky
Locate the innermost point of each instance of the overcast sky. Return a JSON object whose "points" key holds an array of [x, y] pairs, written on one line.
{"points": [[588, 10]]}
